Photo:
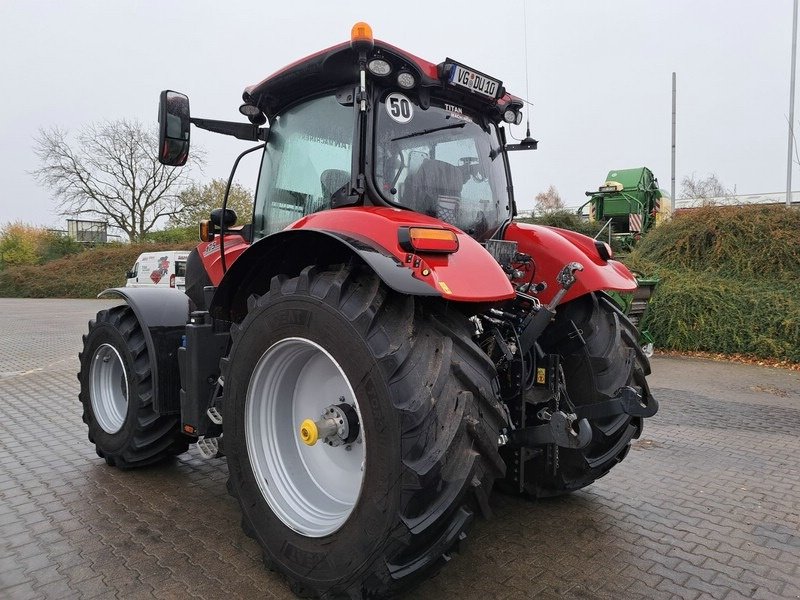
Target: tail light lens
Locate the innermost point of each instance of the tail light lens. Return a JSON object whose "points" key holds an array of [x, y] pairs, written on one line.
{"points": [[172, 280], [427, 239]]}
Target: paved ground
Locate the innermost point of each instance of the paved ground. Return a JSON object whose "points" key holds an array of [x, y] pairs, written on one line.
{"points": [[707, 504]]}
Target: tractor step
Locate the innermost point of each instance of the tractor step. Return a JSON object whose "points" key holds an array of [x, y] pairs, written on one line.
{"points": [[214, 415], [209, 447]]}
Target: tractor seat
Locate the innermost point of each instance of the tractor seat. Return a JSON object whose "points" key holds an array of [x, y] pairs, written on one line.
{"points": [[331, 181], [435, 189]]}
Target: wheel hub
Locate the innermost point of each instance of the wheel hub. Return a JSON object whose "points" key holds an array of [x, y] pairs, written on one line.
{"points": [[338, 425]]}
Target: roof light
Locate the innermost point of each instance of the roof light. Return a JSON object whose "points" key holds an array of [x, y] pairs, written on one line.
{"points": [[427, 239], [518, 120], [406, 80], [361, 34], [378, 66], [510, 116]]}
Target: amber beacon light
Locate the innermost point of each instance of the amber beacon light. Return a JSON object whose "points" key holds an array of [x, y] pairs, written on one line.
{"points": [[361, 34]]}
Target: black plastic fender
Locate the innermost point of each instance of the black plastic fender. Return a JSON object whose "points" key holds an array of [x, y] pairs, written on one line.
{"points": [[163, 314], [288, 252]]}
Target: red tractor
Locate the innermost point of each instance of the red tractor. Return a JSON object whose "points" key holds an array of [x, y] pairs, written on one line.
{"points": [[382, 342]]}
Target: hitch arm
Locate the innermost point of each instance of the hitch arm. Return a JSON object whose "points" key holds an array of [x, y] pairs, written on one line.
{"points": [[628, 402], [559, 430], [538, 322]]}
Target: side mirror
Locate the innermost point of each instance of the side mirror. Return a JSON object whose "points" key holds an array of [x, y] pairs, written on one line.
{"points": [[130, 275], [173, 128], [229, 218]]}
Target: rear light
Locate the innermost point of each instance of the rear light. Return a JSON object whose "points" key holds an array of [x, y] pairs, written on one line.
{"points": [[172, 280], [427, 239], [378, 66], [406, 80]]}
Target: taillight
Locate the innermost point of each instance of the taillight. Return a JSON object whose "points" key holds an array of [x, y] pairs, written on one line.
{"points": [[427, 239], [172, 280]]}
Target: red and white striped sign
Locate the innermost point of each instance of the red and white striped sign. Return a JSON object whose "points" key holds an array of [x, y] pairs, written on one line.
{"points": [[635, 222]]}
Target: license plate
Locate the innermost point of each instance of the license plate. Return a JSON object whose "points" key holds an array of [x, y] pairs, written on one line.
{"points": [[474, 81]]}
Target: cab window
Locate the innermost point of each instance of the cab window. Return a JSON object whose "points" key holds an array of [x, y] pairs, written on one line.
{"points": [[442, 161], [307, 160]]}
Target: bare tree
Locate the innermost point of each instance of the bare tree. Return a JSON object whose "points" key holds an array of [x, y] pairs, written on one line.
{"points": [[549, 201], [198, 201], [111, 172], [703, 190]]}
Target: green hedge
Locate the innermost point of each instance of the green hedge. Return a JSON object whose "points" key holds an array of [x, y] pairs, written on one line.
{"points": [[81, 275], [698, 311], [736, 241], [730, 281]]}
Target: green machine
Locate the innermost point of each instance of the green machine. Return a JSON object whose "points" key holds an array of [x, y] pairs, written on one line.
{"points": [[629, 203]]}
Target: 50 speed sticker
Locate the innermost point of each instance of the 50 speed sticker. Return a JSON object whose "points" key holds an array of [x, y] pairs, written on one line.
{"points": [[399, 107]]}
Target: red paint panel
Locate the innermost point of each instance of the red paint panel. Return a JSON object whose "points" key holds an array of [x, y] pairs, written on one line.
{"points": [[468, 275], [235, 244], [552, 248]]}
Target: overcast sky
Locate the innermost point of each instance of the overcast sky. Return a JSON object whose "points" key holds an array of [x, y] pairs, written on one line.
{"points": [[599, 72]]}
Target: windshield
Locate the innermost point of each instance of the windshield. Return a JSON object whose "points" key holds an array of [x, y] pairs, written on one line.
{"points": [[441, 161]]}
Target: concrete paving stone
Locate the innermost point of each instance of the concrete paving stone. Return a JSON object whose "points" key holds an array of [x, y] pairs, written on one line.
{"points": [[89, 588], [56, 589], [705, 505], [43, 576], [23, 591]]}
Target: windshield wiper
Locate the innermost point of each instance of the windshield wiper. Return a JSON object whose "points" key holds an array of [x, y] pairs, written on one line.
{"points": [[425, 131]]}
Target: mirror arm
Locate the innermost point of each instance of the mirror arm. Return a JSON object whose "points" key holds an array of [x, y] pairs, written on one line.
{"points": [[242, 131], [524, 145]]}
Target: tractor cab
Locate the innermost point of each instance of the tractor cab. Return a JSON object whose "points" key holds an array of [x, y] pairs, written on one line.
{"points": [[365, 123]]}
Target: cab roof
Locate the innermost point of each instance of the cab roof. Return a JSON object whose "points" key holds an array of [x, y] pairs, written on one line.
{"points": [[337, 66]]}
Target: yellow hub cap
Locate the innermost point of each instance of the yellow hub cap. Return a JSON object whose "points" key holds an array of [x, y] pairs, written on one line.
{"points": [[309, 433]]}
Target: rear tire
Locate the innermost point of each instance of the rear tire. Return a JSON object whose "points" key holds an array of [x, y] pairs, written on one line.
{"points": [[430, 419], [117, 394], [611, 359]]}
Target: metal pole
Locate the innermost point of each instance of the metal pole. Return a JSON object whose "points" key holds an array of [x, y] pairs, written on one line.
{"points": [[672, 190], [791, 110]]}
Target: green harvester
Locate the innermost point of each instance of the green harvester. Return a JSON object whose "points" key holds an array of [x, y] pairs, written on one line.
{"points": [[629, 204]]}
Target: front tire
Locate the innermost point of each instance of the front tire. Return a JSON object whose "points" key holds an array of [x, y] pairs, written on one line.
{"points": [[429, 418], [117, 394]]}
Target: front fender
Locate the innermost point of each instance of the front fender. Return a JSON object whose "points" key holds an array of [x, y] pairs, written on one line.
{"points": [[162, 314], [552, 248]]}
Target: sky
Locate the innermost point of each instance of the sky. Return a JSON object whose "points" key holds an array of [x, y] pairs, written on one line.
{"points": [[598, 75]]}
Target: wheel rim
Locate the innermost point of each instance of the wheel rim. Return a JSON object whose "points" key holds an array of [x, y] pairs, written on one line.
{"points": [[108, 389], [312, 489]]}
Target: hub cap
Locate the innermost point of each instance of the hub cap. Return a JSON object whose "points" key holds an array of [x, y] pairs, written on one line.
{"points": [[108, 388], [312, 489]]}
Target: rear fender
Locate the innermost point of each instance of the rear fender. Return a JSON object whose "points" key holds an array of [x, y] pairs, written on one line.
{"points": [[552, 248], [331, 237], [162, 314]]}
